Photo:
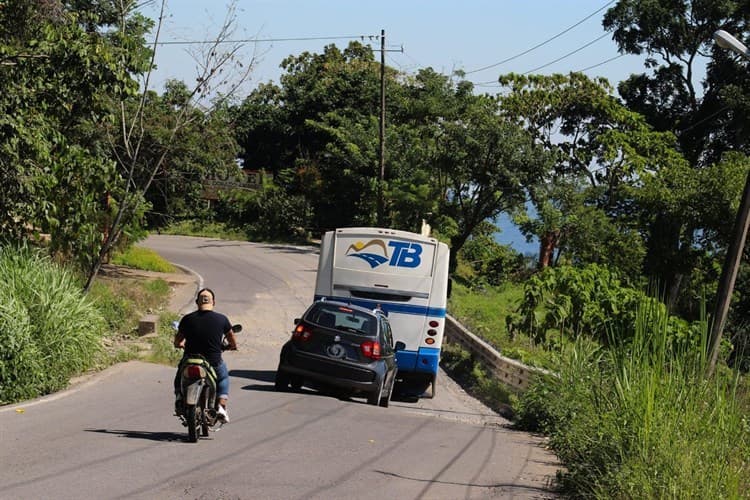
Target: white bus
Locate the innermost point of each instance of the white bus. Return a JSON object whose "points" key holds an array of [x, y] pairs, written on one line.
{"points": [[403, 273]]}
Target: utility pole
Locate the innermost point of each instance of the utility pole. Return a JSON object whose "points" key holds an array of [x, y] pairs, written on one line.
{"points": [[729, 275], [734, 252], [381, 151], [381, 148]]}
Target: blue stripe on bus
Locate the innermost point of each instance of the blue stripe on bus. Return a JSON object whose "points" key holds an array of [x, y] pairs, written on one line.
{"points": [[426, 360], [388, 307]]}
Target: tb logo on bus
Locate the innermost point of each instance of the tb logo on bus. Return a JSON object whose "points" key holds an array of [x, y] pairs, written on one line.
{"points": [[403, 253]]}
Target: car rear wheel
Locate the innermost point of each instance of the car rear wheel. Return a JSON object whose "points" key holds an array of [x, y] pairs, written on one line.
{"points": [[386, 400], [373, 398], [281, 383]]}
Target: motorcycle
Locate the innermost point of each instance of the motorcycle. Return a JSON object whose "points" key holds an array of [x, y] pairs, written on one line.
{"points": [[198, 388]]}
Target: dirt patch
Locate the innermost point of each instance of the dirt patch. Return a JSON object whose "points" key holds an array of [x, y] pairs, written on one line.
{"points": [[183, 284]]}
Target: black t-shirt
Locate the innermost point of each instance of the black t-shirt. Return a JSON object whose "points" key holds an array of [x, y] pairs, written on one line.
{"points": [[204, 331]]}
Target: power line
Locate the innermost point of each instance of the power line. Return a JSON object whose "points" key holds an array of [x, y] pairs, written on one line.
{"points": [[396, 63], [600, 64], [567, 55], [705, 119], [268, 40], [544, 42], [494, 83]]}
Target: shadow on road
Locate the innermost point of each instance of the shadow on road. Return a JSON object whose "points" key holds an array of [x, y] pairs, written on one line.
{"points": [[258, 387], [261, 375], [151, 436], [290, 249]]}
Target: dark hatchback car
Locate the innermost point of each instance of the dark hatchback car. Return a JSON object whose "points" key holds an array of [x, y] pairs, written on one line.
{"points": [[344, 346]]}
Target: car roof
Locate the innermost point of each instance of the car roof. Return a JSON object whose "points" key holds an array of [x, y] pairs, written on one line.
{"points": [[374, 312]]}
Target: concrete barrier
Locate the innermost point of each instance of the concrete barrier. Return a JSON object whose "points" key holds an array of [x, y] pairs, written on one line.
{"points": [[510, 372], [148, 325]]}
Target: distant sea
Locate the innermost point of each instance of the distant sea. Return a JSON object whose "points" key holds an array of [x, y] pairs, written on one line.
{"points": [[510, 235]]}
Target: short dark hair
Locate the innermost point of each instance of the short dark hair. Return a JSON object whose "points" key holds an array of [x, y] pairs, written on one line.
{"points": [[213, 295]]}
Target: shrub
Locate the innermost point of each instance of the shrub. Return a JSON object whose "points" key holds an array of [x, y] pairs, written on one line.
{"points": [[49, 330], [590, 301], [267, 214], [484, 261]]}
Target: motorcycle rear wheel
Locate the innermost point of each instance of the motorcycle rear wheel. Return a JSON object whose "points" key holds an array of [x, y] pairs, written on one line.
{"points": [[192, 423], [204, 415]]}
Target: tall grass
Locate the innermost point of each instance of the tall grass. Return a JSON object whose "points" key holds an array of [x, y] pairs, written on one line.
{"points": [[49, 331], [485, 311], [143, 258], [123, 301], [640, 420]]}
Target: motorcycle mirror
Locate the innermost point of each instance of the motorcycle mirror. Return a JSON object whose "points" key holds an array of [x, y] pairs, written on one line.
{"points": [[237, 328]]}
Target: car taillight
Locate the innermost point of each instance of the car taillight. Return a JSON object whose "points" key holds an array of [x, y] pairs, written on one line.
{"points": [[301, 333], [194, 371], [434, 324], [371, 349]]}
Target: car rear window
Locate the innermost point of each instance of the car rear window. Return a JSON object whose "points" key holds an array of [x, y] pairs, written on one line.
{"points": [[343, 318]]}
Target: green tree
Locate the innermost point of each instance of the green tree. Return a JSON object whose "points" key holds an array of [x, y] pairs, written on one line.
{"points": [[602, 151], [203, 150], [60, 72], [676, 38], [487, 164], [322, 122], [416, 187], [222, 72], [707, 115], [484, 261]]}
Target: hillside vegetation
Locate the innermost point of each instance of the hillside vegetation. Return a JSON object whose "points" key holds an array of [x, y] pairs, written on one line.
{"points": [[631, 188]]}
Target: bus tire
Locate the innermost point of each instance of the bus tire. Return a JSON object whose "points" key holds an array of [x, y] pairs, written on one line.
{"points": [[433, 386]]}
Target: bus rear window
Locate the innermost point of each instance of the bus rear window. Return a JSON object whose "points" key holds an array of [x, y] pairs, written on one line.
{"points": [[360, 294]]}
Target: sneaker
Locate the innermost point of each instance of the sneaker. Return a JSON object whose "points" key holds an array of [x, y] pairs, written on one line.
{"points": [[222, 415]]}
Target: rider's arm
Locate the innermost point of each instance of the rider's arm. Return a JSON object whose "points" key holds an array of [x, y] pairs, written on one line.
{"points": [[179, 340], [231, 340]]}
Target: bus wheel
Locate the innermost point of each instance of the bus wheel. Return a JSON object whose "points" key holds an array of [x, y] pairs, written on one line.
{"points": [[433, 386]]}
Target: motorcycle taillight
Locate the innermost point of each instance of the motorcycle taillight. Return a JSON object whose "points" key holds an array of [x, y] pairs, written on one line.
{"points": [[194, 371]]}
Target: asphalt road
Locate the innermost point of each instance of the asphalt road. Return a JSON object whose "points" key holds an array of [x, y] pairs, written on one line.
{"points": [[114, 435]]}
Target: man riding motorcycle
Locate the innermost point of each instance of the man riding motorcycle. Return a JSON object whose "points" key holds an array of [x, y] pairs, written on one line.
{"points": [[202, 333]]}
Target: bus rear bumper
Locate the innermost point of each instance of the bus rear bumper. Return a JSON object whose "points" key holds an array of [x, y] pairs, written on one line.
{"points": [[425, 360]]}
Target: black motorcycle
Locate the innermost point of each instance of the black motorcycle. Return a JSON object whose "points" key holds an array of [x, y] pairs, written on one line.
{"points": [[198, 388]]}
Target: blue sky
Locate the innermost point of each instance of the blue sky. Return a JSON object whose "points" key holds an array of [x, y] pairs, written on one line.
{"points": [[445, 35]]}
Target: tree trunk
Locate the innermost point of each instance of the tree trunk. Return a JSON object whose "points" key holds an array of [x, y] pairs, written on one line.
{"points": [[674, 292], [547, 244]]}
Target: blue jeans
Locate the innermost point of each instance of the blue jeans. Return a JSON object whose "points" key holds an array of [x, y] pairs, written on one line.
{"points": [[222, 380]]}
